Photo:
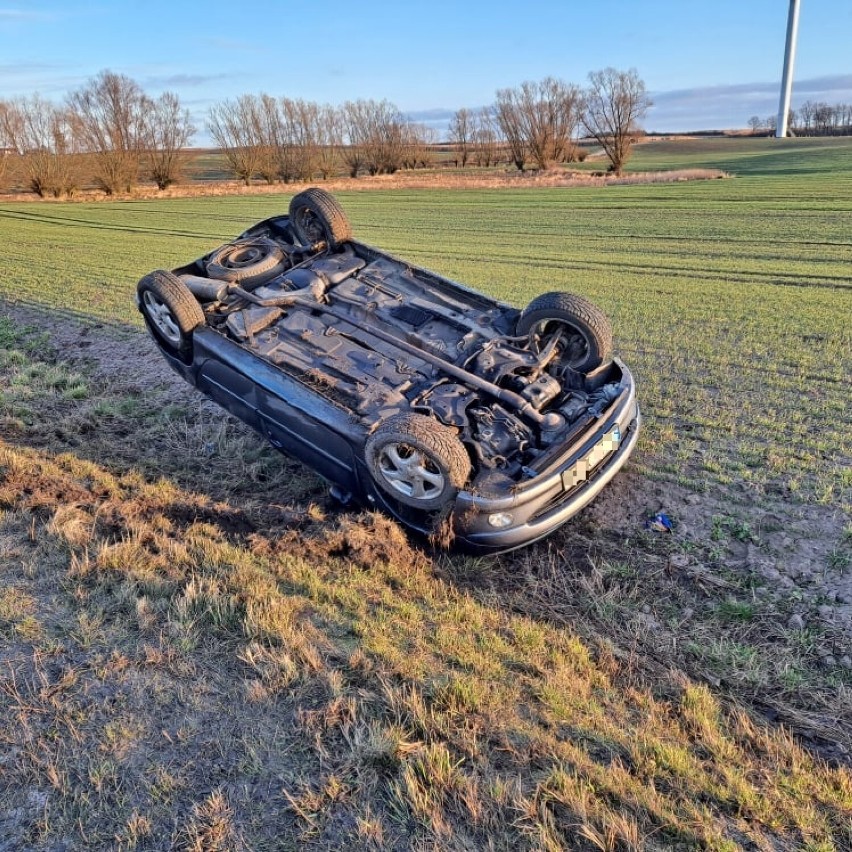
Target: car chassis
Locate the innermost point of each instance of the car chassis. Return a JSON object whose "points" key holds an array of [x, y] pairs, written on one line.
{"points": [[462, 417]]}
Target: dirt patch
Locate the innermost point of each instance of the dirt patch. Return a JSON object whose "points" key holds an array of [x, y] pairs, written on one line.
{"points": [[127, 358], [787, 553]]}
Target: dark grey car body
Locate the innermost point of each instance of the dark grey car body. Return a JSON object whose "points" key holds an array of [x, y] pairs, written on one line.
{"points": [[345, 340]]}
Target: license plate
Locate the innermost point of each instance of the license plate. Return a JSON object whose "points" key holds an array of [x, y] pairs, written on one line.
{"points": [[580, 470]]}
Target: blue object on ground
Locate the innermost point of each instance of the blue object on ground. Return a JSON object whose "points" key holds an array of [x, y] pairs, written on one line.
{"points": [[661, 522]]}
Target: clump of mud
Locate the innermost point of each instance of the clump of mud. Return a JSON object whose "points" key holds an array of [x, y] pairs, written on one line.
{"points": [[365, 539]]}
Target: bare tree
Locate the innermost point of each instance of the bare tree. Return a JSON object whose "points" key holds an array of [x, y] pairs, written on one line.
{"points": [[418, 141], [507, 112], [823, 118], [329, 138], [539, 120], [269, 138], [110, 111], [234, 127], [486, 139], [806, 115], [277, 138], [549, 117], [375, 133], [355, 127], [614, 104], [756, 123], [43, 136], [301, 119], [388, 139], [6, 144], [461, 133], [288, 135], [167, 131]]}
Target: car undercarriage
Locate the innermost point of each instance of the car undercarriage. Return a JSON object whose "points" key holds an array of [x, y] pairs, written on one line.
{"points": [[450, 397]]}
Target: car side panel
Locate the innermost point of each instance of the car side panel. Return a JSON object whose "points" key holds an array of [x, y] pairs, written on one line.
{"points": [[296, 433], [295, 419], [231, 389]]}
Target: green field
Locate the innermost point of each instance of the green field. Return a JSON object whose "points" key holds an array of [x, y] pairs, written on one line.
{"points": [[730, 298], [201, 653]]}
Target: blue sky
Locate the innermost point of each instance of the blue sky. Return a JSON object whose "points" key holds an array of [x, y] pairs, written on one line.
{"points": [[706, 64]]}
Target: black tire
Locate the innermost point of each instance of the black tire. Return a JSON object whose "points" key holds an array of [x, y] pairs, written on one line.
{"points": [[250, 262], [171, 311], [588, 343], [417, 461], [315, 215]]}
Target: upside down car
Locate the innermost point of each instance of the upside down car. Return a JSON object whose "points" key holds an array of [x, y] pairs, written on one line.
{"points": [[455, 414]]}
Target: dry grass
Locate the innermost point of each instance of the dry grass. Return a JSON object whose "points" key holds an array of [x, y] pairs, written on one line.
{"points": [[181, 668], [503, 178]]}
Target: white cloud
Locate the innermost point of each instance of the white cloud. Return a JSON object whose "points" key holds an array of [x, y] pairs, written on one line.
{"points": [[24, 15], [726, 107]]}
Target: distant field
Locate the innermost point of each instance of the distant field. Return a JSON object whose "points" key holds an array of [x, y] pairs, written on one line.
{"points": [[749, 157]]}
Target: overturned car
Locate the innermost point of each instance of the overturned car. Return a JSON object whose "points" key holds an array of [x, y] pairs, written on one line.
{"points": [[463, 418]]}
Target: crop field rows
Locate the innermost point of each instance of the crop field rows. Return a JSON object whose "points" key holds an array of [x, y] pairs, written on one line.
{"points": [[285, 673], [730, 303]]}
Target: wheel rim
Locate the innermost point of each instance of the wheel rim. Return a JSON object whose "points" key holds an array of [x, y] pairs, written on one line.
{"points": [[162, 317], [410, 472], [243, 256], [311, 225]]}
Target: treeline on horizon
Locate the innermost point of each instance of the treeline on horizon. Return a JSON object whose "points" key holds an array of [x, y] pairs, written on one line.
{"points": [[812, 118], [111, 135]]}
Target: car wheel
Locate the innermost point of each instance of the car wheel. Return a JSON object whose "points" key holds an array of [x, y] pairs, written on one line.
{"points": [[418, 461], [250, 262], [586, 331], [171, 310], [315, 215]]}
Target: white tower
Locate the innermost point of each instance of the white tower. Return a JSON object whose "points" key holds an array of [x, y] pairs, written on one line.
{"points": [[787, 79]]}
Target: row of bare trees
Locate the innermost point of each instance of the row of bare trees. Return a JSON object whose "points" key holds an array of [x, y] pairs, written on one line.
{"points": [[292, 139], [812, 118], [536, 123], [476, 137], [112, 134], [539, 122], [109, 132]]}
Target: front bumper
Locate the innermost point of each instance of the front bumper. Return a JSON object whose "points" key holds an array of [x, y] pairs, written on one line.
{"points": [[542, 504]]}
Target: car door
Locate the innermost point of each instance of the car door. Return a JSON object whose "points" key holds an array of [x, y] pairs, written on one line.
{"points": [[311, 430], [233, 390]]}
